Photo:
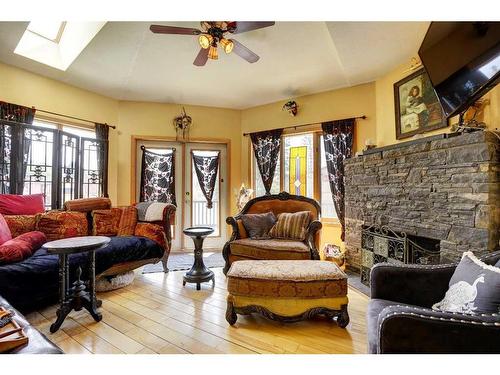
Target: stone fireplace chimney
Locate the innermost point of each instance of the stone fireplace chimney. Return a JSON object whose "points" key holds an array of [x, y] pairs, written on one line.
{"points": [[445, 188]]}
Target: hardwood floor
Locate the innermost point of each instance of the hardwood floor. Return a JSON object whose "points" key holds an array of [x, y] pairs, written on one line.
{"points": [[156, 314]]}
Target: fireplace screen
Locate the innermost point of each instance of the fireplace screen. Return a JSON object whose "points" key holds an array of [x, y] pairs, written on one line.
{"points": [[381, 244]]}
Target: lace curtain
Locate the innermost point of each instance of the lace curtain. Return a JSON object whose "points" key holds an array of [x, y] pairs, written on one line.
{"points": [[15, 146], [206, 168], [157, 177], [266, 147], [338, 139]]}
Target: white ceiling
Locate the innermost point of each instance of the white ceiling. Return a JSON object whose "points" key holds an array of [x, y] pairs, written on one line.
{"points": [[128, 62]]}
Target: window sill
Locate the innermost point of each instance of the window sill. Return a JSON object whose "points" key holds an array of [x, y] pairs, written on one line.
{"points": [[330, 221]]}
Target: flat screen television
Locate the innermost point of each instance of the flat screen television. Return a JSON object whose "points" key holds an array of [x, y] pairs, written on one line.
{"points": [[462, 60]]}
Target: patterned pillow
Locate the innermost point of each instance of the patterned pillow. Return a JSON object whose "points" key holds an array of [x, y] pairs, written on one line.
{"points": [[20, 224], [258, 225], [106, 222], [473, 288], [21, 247], [63, 224], [291, 226], [128, 221]]}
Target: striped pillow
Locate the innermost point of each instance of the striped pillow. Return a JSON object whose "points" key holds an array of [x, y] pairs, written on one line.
{"points": [[291, 226]]}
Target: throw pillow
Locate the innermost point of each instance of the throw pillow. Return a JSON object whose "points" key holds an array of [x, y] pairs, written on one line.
{"points": [[87, 204], [128, 221], [63, 224], [473, 288], [21, 247], [5, 234], [291, 226], [106, 222], [19, 224], [258, 225], [11, 204]]}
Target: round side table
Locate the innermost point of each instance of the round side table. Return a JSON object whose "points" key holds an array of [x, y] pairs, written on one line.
{"points": [[198, 273], [77, 296]]}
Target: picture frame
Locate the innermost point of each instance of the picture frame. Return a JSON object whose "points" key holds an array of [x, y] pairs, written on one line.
{"points": [[417, 108]]}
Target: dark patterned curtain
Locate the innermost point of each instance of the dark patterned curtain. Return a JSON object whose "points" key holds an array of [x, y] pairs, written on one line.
{"points": [[157, 177], [102, 134], [338, 138], [206, 168], [266, 147], [19, 146]]}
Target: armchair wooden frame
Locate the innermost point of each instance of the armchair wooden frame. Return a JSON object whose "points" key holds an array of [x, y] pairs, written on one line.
{"points": [[312, 236]]}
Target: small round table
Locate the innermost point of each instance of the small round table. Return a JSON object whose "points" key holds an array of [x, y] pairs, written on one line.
{"points": [[77, 296], [198, 273]]}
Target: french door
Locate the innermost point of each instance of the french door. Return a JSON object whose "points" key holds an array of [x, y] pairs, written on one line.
{"points": [[192, 207]]}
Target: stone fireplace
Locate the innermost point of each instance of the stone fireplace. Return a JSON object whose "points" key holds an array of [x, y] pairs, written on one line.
{"points": [[444, 189]]}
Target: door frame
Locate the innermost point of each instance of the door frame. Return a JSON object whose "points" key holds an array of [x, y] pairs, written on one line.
{"points": [[135, 139]]}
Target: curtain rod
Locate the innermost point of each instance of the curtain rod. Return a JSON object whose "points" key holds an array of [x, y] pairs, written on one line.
{"points": [[300, 126], [71, 117]]}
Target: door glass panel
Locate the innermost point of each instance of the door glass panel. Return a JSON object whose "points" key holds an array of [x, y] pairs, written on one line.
{"points": [[91, 176], [298, 171], [201, 215]]}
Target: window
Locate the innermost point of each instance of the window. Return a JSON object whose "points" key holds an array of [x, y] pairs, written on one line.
{"points": [[59, 161], [300, 174], [298, 156], [259, 186]]}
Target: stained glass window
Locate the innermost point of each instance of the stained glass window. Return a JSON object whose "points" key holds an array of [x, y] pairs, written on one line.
{"points": [[298, 171]]}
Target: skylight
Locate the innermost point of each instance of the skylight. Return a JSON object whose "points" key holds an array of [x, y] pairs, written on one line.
{"points": [[56, 43], [51, 30]]}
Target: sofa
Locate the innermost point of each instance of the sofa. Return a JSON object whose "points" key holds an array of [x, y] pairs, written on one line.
{"points": [[241, 247], [400, 318], [32, 283]]}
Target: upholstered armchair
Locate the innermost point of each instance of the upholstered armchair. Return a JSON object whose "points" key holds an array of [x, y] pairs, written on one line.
{"points": [[400, 318], [241, 247]]}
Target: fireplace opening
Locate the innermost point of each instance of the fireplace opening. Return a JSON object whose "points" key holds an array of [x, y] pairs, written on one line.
{"points": [[382, 244]]}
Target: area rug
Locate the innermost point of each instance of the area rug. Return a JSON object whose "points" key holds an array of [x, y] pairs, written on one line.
{"points": [[179, 262]]}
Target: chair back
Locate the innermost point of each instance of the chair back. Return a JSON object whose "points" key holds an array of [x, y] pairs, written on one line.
{"points": [[282, 202]]}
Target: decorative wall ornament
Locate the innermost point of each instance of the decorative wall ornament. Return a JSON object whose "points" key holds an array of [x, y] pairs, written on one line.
{"points": [[291, 107], [182, 125], [243, 195]]}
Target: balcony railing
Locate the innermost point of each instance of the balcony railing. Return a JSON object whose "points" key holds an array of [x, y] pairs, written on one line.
{"points": [[205, 216]]}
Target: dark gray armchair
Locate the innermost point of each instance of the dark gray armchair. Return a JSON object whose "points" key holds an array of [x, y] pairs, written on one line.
{"points": [[400, 318]]}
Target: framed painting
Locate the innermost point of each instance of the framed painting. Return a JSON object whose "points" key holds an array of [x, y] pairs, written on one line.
{"points": [[416, 105]]}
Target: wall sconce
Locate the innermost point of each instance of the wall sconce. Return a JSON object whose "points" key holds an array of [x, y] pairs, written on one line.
{"points": [[291, 107], [182, 125]]}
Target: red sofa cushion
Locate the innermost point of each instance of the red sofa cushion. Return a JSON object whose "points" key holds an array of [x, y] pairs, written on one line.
{"points": [[5, 234], [11, 204], [21, 247]]}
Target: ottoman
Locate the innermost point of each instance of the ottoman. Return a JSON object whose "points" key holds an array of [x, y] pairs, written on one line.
{"points": [[287, 290]]}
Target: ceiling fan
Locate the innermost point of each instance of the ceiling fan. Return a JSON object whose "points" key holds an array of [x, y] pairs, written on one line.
{"points": [[213, 34]]}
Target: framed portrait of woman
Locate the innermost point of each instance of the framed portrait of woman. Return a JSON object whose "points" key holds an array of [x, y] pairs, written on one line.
{"points": [[416, 105]]}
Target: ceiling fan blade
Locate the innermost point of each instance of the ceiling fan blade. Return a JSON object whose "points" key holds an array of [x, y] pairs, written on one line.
{"points": [[243, 26], [202, 57], [244, 52], [160, 29]]}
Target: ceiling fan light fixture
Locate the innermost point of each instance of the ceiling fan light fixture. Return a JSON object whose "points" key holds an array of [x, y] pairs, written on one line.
{"points": [[205, 40], [212, 53], [227, 44]]}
